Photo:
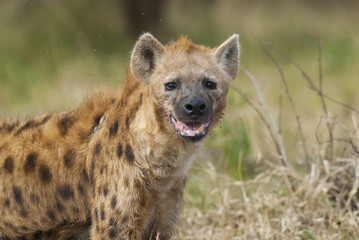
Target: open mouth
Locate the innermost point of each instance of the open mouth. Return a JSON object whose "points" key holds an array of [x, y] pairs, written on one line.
{"points": [[191, 131]]}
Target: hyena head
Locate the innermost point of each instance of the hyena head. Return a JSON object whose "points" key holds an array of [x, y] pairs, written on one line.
{"points": [[188, 82]]}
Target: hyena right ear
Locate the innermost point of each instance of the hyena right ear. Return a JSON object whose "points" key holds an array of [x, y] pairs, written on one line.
{"points": [[145, 56], [227, 55]]}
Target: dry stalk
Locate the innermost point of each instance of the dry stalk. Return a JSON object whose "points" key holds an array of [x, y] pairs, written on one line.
{"points": [[307, 78], [297, 117], [266, 109], [261, 116], [311, 84], [320, 91], [278, 144]]}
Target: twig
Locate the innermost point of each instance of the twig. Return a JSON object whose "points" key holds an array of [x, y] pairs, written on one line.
{"points": [[280, 103], [266, 109], [261, 116], [268, 126], [284, 83], [306, 77], [324, 105], [346, 140]]}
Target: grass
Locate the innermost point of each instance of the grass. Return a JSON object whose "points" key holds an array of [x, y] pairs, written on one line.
{"points": [[53, 53]]}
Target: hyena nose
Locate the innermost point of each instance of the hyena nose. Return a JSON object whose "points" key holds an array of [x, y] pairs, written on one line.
{"points": [[194, 106]]}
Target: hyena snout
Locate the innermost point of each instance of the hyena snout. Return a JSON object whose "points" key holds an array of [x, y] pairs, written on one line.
{"points": [[194, 107]]}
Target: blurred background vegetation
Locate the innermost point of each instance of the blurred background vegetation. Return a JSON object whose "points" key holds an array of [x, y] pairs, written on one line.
{"points": [[52, 52]]}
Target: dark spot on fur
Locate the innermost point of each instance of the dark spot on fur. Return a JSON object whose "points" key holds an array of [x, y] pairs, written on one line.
{"points": [[64, 124], [76, 210], [32, 124], [96, 214], [124, 219], [37, 235], [81, 189], [113, 129], [24, 228], [9, 165], [59, 206], [103, 214], [51, 215], [7, 203], [112, 233], [69, 158], [112, 222], [140, 101], [92, 170], [45, 174], [30, 162], [9, 127], [27, 125], [129, 154], [10, 225], [85, 176], [127, 122], [119, 151], [97, 150], [138, 184], [126, 182], [105, 191], [17, 193], [113, 202], [45, 119], [23, 213], [50, 234], [66, 192]]}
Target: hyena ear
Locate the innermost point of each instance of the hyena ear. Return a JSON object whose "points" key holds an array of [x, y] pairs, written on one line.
{"points": [[227, 55], [145, 56]]}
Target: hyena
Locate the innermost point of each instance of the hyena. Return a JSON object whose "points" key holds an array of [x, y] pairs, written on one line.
{"points": [[115, 167]]}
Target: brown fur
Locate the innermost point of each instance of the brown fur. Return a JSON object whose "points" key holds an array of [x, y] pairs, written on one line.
{"points": [[114, 168]]}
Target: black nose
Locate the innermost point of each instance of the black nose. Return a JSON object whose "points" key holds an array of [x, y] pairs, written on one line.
{"points": [[194, 106]]}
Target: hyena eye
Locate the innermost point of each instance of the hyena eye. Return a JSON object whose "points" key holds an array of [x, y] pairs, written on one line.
{"points": [[210, 85], [171, 86]]}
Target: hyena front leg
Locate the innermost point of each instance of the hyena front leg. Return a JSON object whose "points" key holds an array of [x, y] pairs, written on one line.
{"points": [[118, 211], [167, 213]]}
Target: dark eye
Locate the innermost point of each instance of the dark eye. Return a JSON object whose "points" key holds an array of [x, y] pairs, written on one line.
{"points": [[171, 86], [210, 85]]}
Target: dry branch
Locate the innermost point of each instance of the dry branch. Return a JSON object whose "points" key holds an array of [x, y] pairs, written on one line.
{"points": [[266, 109], [299, 126]]}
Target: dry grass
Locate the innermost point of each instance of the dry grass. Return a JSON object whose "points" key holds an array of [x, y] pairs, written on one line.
{"points": [[266, 209]]}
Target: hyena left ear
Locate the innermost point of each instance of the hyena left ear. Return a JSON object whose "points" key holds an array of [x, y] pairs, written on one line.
{"points": [[145, 56], [227, 55]]}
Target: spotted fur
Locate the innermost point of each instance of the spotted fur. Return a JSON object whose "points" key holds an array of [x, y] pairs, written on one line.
{"points": [[114, 168]]}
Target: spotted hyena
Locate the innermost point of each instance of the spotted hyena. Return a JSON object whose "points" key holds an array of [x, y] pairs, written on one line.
{"points": [[115, 167]]}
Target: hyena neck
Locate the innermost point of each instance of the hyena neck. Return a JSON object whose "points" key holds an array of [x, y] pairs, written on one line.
{"points": [[159, 148]]}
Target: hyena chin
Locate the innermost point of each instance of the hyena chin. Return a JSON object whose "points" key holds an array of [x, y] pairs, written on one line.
{"points": [[115, 167]]}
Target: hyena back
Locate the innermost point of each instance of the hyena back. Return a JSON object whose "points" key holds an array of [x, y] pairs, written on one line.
{"points": [[115, 168]]}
